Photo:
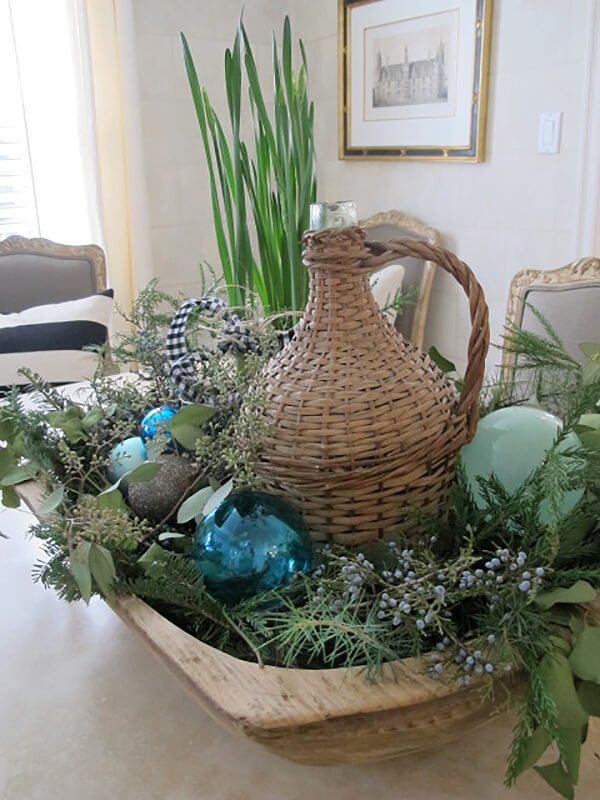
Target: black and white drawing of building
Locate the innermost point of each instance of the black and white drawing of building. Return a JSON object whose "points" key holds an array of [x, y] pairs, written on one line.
{"points": [[411, 82]]}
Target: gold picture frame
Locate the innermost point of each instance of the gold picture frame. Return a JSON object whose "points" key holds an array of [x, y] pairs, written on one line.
{"points": [[403, 108]]}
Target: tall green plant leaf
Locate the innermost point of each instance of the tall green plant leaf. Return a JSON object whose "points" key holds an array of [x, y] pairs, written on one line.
{"points": [[198, 97], [272, 182]]}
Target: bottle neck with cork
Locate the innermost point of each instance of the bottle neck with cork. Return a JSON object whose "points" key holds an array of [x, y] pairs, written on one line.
{"points": [[340, 298]]}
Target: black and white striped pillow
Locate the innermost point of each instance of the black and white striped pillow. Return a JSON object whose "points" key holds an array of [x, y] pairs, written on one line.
{"points": [[50, 339]]}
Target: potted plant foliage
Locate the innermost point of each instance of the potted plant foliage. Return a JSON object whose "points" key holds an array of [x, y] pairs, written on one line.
{"points": [[261, 190]]}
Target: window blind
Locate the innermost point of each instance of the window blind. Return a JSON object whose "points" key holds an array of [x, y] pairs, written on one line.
{"points": [[18, 212]]}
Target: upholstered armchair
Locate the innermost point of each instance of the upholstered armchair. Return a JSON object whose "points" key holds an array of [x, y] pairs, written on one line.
{"points": [[55, 310], [35, 272]]}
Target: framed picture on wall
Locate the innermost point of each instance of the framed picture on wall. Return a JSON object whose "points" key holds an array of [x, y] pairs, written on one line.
{"points": [[413, 78]]}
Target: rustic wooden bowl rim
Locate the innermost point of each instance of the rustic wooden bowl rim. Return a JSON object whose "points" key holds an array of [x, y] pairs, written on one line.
{"points": [[277, 697]]}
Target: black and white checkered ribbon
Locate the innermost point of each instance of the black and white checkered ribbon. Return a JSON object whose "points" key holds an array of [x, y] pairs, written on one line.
{"points": [[235, 337]]}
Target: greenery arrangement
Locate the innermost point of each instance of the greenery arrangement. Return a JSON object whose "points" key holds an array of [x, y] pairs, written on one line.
{"points": [[481, 596], [275, 174]]}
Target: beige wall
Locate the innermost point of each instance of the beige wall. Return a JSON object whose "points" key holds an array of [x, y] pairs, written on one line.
{"points": [[181, 224], [517, 209]]}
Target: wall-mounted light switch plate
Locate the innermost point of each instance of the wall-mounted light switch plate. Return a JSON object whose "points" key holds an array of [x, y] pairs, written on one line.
{"points": [[549, 132]]}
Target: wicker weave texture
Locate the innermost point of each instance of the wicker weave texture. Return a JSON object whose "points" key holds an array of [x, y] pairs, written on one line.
{"points": [[364, 425]]}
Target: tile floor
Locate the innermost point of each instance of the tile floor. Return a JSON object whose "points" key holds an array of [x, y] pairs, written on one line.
{"points": [[86, 713]]}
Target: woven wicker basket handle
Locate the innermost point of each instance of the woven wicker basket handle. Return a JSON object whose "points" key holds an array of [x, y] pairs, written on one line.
{"points": [[385, 252]]}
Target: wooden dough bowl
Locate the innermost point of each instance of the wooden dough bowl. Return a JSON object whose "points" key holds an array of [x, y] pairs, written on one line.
{"points": [[329, 716]]}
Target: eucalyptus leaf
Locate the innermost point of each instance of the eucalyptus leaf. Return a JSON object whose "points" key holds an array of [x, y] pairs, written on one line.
{"points": [[439, 360], [9, 497], [558, 677], [575, 532], [585, 658], [70, 414], [194, 414], [82, 551], [580, 592], [194, 505], [112, 500], [18, 475], [145, 472], [590, 439], [113, 486], [589, 349], [589, 695], [52, 502], [56, 418], [560, 615], [590, 373], [560, 644], [92, 417], [556, 777], [73, 431], [571, 750], [152, 561], [69, 422], [584, 732], [590, 420], [217, 498], [153, 553], [8, 429], [74, 411], [166, 535], [186, 434], [103, 570], [538, 743], [80, 569], [18, 444], [576, 624], [7, 462]]}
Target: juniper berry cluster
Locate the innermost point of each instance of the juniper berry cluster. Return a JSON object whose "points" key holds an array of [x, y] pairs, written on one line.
{"points": [[412, 588]]}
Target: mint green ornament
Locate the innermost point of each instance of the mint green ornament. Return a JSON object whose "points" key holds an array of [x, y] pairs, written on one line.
{"points": [[125, 457], [511, 443]]}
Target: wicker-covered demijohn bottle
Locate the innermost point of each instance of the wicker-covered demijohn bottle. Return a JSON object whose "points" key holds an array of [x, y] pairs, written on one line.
{"points": [[364, 425]]}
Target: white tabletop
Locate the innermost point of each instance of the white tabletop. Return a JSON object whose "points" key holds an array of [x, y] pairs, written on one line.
{"points": [[87, 713]]}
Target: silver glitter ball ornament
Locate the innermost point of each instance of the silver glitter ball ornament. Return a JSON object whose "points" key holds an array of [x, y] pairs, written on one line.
{"points": [[154, 499]]}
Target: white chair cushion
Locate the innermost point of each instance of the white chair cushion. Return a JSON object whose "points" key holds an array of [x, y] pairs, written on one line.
{"points": [[49, 339]]}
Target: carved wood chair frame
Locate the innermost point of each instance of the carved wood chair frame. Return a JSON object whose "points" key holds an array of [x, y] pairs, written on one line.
{"points": [[431, 236], [584, 270], [44, 247]]}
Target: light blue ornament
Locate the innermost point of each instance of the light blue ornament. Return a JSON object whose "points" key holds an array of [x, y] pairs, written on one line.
{"points": [[124, 457], [511, 443], [157, 419], [250, 543]]}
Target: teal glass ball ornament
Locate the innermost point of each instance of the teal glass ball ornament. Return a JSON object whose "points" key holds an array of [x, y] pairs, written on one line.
{"points": [[511, 443], [124, 457], [157, 419], [250, 543]]}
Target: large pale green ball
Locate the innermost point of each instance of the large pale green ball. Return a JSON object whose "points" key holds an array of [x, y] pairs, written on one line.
{"points": [[511, 443]]}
